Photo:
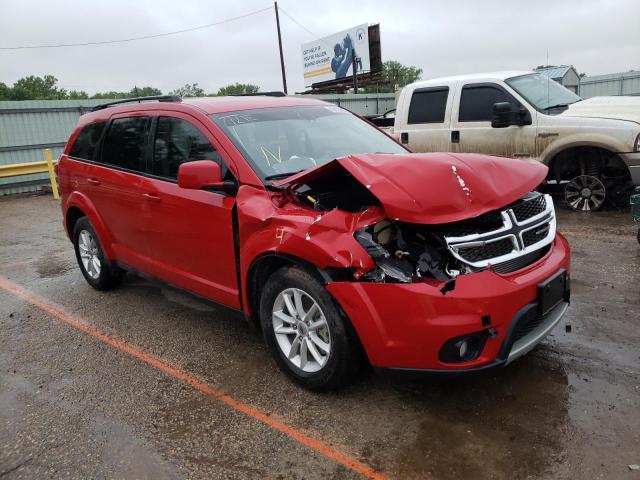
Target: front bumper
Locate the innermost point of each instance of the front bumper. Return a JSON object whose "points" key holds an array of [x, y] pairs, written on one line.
{"points": [[404, 326], [632, 161]]}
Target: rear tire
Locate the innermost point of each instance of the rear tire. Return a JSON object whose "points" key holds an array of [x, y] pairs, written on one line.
{"points": [[98, 271], [306, 331]]}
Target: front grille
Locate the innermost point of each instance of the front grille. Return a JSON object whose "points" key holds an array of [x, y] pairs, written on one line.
{"points": [[504, 238], [489, 250], [528, 208], [535, 235], [521, 262]]}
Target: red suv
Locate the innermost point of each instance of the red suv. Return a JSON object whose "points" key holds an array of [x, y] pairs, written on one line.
{"points": [[330, 236]]}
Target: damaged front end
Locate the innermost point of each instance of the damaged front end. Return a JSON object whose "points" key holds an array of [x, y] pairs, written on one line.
{"points": [[503, 240]]}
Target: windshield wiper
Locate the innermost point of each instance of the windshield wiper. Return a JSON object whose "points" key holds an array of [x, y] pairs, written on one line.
{"points": [[559, 105], [278, 176]]}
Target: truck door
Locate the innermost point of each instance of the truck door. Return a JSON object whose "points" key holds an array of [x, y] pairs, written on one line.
{"points": [[471, 130], [426, 122]]}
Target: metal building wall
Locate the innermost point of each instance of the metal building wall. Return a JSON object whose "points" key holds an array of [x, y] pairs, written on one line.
{"points": [[28, 127], [627, 83]]}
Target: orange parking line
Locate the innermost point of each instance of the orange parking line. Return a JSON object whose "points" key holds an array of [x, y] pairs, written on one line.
{"points": [[319, 446]]}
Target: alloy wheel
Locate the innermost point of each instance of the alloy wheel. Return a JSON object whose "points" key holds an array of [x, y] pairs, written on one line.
{"points": [[301, 330], [89, 254], [585, 193]]}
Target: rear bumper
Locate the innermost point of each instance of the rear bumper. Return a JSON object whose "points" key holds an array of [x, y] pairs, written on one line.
{"points": [[404, 326]]}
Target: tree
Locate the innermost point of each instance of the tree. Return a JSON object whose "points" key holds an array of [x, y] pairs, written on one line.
{"points": [[78, 95], [189, 90], [5, 92], [134, 92], [398, 75], [37, 88], [237, 89]]}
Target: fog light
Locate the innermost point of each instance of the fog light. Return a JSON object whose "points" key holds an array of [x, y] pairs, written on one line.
{"points": [[464, 348]]}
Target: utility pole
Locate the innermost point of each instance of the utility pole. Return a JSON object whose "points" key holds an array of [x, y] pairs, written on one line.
{"points": [[354, 66], [284, 76]]}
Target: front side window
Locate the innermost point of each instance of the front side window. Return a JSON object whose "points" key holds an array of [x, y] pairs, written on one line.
{"points": [[542, 92], [476, 103], [87, 140], [428, 105], [124, 145], [178, 141], [278, 141]]}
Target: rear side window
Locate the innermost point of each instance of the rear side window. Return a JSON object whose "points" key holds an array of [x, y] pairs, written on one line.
{"points": [[124, 145], [178, 141], [476, 103], [87, 140], [428, 105]]}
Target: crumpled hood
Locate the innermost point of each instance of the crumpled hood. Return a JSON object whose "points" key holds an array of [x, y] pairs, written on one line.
{"points": [[433, 188], [616, 108]]}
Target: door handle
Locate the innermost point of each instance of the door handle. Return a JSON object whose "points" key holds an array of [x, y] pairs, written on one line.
{"points": [[455, 136], [152, 197], [404, 138], [93, 181]]}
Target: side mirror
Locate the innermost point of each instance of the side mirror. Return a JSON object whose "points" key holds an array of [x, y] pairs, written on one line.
{"points": [[502, 115], [204, 175]]}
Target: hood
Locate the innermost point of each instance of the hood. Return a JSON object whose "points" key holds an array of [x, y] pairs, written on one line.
{"points": [[615, 108], [434, 188]]}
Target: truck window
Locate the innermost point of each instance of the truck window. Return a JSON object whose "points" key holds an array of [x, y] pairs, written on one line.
{"points": [[428, 105], [87, 141], [178, 141], [476, 102]]}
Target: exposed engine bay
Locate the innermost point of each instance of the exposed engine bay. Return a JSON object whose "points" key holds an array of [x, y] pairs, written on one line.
{"points": [[504, 240]]}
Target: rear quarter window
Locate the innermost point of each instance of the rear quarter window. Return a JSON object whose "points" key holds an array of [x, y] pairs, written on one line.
{"points": [[428, 105], [86, 144]]}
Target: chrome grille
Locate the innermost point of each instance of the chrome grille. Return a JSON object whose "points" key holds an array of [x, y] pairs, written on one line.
{"points": [[525, 227], [525, 209]]}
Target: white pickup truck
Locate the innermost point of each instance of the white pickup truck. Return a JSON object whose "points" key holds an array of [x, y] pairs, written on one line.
{"points": [[592, 147]]}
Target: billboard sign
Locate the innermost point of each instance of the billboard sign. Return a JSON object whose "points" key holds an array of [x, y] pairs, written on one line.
{"points": [[331, 57]]}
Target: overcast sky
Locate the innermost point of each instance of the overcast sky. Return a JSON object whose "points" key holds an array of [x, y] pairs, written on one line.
{"points": [[442, 38]]}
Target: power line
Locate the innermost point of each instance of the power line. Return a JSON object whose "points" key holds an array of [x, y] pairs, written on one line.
{"points": [[302, 26], [133, 39]]}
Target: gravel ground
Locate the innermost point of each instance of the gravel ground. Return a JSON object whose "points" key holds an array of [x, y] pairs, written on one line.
{"points": [[72, 406]]}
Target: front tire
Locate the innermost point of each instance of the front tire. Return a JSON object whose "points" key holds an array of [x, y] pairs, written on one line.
{"points": [[306, 331], [98, 271]]}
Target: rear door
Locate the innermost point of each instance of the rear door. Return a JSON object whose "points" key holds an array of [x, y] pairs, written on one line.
{"points": [[426, 120], [115, 186], [192, 231], [471, 130]]}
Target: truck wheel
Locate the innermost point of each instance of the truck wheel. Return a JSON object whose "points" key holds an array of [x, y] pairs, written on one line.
{"points": [[99, 272], [305, 331], [585, 193]]}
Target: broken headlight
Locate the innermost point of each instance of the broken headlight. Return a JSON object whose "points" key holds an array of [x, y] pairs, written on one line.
{"points": [[403, 254]]}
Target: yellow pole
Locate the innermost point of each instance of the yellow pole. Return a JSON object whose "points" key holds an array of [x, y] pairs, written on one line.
{"points": [[52, 174]]}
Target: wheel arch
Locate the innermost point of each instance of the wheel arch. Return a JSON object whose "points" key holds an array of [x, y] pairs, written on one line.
{"points": [[79, 206], [570, 153]]}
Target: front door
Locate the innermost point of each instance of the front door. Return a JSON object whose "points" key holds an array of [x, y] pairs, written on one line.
{"points": [[471, 130], [191, 232]]}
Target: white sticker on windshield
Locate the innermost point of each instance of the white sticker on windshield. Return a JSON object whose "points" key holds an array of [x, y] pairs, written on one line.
{"points": [[335, 109]]}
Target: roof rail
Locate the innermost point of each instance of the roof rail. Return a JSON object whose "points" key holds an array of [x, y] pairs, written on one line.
{"points": [[160, 98], [259, 94]]}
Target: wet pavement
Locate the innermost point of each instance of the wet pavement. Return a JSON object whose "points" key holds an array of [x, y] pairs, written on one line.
{"points": [[72, 406]]}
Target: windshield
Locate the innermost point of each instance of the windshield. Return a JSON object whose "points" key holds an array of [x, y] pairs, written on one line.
{"points": [[543, 92], [278, 141]]}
